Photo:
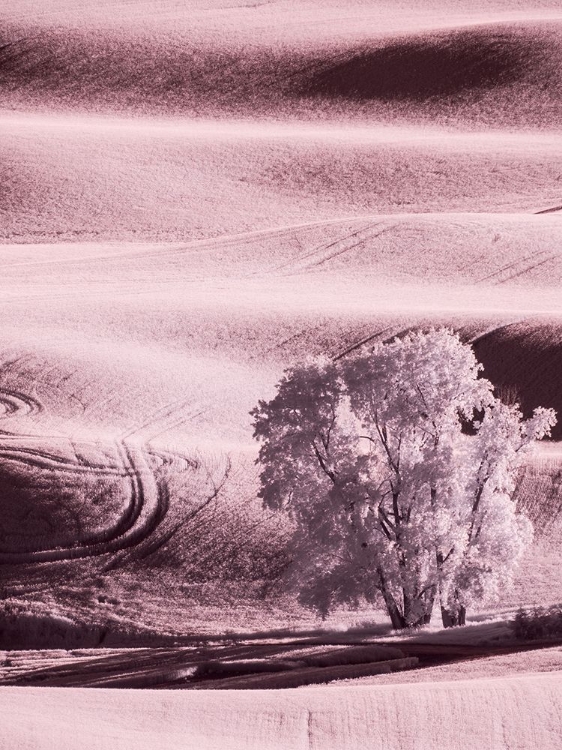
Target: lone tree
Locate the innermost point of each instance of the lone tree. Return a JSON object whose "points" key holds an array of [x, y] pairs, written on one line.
{"points": [[397, 468]]}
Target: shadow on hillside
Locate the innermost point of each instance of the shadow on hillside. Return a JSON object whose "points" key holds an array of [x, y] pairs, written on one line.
{"points": [[183, 76], [324, 635], [22, 629], [526, 357], [29, 631], [418, 69], [270, 659]]}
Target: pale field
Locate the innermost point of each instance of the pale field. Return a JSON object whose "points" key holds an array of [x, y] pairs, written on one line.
{"points": [[485, 712], [196, 195]]}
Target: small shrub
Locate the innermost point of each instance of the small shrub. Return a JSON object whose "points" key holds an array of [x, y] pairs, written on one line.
{"points": [[538, 623]]}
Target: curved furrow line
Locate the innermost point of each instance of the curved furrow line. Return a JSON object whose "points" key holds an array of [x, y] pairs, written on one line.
{"points": [[553, 210], [162, 536], [142, 506], [151, 537], [165, 412], [85, 545], [195, 412], [347, 247], [116, 537], [130, 516], [324, 251], [362, 342], [155, 511], [148, 500], [308, 331], [15, 402], [165, 419], [169, 458], [38, 459], [140, 519], [144, 512]]}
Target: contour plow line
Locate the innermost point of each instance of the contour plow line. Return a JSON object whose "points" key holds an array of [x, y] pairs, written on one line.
{"points": [[148, 508], [529, 269], [172, 460], [383, 335], [37, 459], [552, 210], [166, 418], [16, 403], [162, 420], [142, 515]]}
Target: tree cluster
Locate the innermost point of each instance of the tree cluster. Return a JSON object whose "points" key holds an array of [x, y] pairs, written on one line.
{"points": [[397, 468]]}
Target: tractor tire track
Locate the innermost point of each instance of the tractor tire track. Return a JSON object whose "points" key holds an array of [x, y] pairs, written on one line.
{"points": [[513, 270], [139, 519], [510, 266], [171, 459], [142, 514], [148, 499], [529, 269], [552, 210], [166, 418], [39, 460], [16, 403], [364, 341], [325, 253]]}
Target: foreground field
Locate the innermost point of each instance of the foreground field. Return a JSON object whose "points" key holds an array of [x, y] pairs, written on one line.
{"points": [[514, 712]]}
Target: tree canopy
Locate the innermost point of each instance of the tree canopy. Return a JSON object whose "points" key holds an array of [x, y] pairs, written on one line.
{"points": [[397, 467]]}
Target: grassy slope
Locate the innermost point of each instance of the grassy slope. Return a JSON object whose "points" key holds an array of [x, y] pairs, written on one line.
{"points": [[128, 347]]}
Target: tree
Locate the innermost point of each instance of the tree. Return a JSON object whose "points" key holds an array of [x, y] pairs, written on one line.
{"points": [[397, 468]]}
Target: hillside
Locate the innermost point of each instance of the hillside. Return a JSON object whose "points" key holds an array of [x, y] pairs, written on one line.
{"points": [[195, 196]]}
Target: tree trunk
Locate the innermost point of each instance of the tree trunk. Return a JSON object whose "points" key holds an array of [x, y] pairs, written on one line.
{"points": [[396, 617], [400, 620], [403, 619], [423, 619], [422, 604], [453, 617]]}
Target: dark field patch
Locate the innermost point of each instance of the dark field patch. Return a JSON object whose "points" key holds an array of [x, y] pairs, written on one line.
{"points": [[419, 69]]}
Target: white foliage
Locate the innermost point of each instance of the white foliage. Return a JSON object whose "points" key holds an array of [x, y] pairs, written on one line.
{"points": [[395, 488]]}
